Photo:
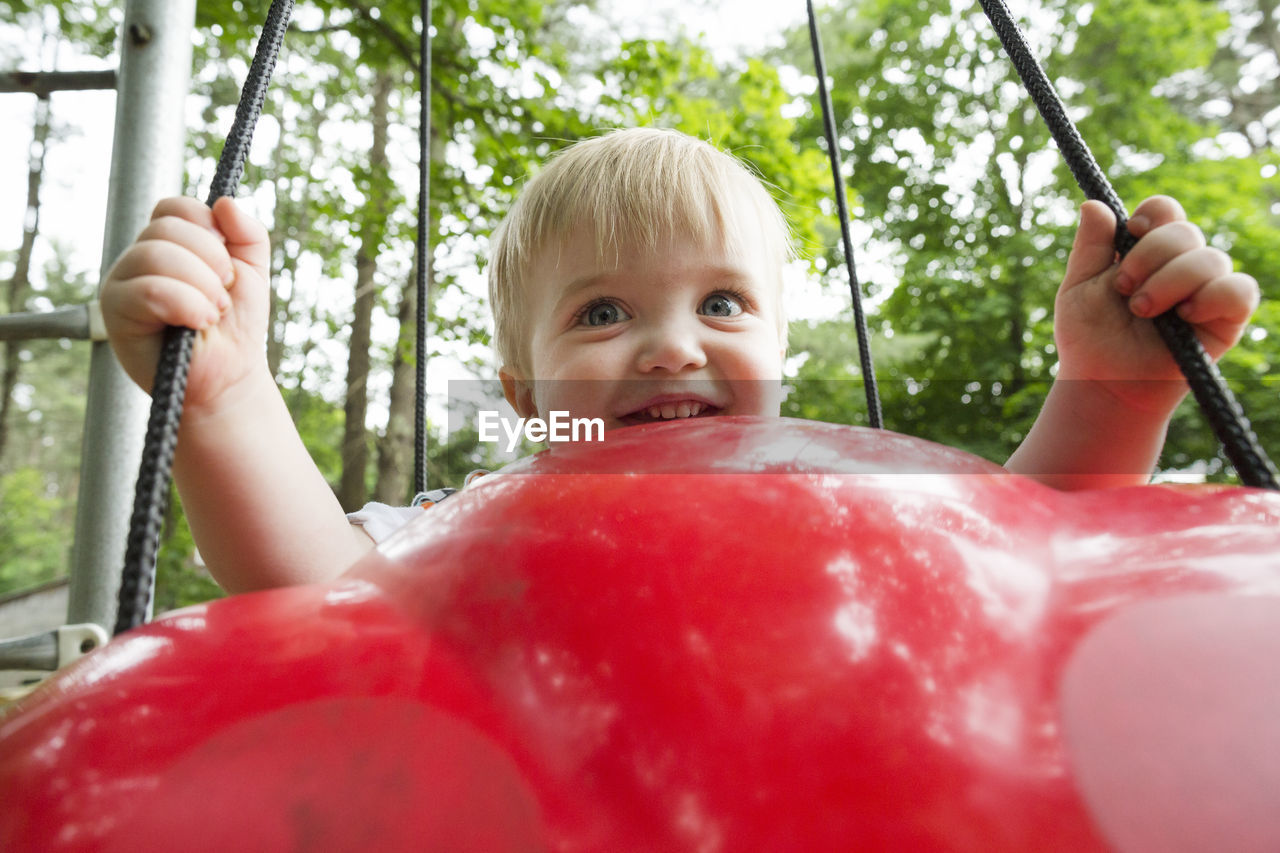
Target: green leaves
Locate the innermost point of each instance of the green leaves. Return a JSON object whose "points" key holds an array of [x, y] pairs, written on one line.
{"points": [[952, 167], [33, 541], [946, 163]]}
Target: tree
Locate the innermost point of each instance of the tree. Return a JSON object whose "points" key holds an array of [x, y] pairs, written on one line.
{"points": [[39, 470], [20, 281], [1240, 86], [954, 169], [42, 382], [512, 81]]}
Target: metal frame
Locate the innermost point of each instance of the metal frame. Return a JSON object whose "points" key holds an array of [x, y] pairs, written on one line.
{"points": [[42, 83], [146, 165]]}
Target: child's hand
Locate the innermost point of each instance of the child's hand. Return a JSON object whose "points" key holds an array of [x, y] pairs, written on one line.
{"points": [[192, 266], [1101, 320]]}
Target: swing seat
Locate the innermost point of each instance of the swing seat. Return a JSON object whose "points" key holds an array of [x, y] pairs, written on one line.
{"points": [[732, 634]]}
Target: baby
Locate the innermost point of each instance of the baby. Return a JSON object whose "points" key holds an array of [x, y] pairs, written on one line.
{"points": [[638, 277]]}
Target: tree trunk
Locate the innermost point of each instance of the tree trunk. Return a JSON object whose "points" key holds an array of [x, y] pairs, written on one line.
{"points": [[280, 262], [352, 492], [395, 447], [20, 284], [1018, 310], [291, 220]]}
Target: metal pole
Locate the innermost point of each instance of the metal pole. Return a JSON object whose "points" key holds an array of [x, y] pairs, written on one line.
{"points": [[146, 165], [42, 83], [77, 322]]}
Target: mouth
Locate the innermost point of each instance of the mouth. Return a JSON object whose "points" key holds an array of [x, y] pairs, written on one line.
{"points": [[670, 409]]}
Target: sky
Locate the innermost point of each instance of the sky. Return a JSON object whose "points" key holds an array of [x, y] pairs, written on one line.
{"points": [[726, 24]]}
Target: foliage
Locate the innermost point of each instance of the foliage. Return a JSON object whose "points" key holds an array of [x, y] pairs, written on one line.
{"points": [[953, 167], [92, 25], [32, 540], [450, 461], [742, 109], [948, 164], [40, 466]]}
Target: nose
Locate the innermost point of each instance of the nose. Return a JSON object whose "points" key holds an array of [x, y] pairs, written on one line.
{"points": [[672, 347]]}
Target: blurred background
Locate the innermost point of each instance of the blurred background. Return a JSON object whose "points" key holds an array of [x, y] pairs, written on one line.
{"points": [[963, 212]]}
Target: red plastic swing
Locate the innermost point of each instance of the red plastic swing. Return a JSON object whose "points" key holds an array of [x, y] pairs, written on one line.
{"points": [[725, 634], [790, 644]]}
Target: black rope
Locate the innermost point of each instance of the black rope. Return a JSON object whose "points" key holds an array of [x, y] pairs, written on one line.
{"points": [[137, 581], [833, 150], [424, 252], [1224, 413]]}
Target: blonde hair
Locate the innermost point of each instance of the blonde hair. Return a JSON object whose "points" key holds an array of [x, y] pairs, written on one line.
{"points": [[631, 187]]}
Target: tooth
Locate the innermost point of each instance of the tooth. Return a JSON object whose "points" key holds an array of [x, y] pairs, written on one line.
{"points": [[668, 410], [695, 409], [682, 410], [655, 412]]}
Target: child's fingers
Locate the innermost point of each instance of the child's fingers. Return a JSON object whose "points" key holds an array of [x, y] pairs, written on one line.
{"points": [[145, 304], [1178, 280], [190, 209], [175, 264], [195, 212], [1094, 249], [1153, 212], [206, 244], [247, 238], [1156, 249], [1231, 299]]}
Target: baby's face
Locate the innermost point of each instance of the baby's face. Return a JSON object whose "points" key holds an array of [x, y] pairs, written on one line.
{"points": [[685, 331]]}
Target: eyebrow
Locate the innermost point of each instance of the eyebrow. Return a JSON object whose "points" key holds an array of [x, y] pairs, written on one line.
{"points": [[716, 274], [735, 274], [578, 285], [586, 281], [712, 273]]}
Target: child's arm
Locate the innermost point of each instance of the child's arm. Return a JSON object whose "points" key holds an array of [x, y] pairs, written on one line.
{"points": [[260, 512], [1105, 417]]}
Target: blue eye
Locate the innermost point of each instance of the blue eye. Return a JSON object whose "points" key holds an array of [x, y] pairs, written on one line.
{"points": [[603, 314], [721, 305]]}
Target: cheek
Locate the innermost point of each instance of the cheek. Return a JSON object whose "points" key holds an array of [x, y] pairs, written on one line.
{"points": [[757, 366], [576, 380], [600, 360], [771, 360], [760, 357]]}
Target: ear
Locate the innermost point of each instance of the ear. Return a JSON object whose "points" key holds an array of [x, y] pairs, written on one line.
{"points": [[518, 391]]}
